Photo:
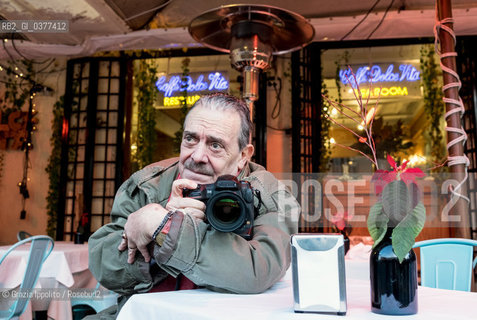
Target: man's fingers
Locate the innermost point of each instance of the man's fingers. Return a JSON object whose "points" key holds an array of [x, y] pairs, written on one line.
{"points": [[198, 214], [123, 245], [182, 203], [132, 249], [145, 253], [180, 184], [131, 254]]}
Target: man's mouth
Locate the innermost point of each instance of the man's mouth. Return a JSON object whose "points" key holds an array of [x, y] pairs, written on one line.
{"points": [[198, 177], [197, 172]]}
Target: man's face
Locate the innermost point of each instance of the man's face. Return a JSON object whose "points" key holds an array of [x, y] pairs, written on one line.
{"points": [[209, 145]]}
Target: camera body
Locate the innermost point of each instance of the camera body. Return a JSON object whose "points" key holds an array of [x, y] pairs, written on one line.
{"points": [[229, 204]]}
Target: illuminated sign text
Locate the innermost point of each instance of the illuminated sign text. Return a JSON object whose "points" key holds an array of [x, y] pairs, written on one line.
{"points": [[378, 74], [382, 92], [213, 81], [176, 101]]}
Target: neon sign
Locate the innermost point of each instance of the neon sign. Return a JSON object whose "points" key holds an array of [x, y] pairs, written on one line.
{"points": [[176, 101], [214, 81], [382, 92], [377, 74]]}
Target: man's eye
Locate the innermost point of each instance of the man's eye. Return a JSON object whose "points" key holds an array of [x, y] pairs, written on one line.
{"points": [[188, 138], [216, 146]]}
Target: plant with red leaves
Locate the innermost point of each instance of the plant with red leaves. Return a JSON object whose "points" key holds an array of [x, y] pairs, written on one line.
{"points": [[399, 206]]}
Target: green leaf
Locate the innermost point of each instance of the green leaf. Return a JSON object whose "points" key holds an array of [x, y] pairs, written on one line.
{"points": [[396, 201], [407, 230], [377, 223]]}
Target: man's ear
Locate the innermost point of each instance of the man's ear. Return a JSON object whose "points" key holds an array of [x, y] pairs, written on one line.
{"points": [[245, 155]]}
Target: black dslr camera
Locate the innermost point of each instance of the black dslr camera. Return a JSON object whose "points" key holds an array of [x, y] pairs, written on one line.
{"points": [[229, 204]]}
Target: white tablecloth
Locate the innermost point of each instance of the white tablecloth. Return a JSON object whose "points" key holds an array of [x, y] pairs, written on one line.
{"points": [[66, 259], [65, 267], [277, 302]]}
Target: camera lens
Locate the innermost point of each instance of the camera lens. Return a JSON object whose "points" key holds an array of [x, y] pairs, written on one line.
{"points": [[226, 212]]}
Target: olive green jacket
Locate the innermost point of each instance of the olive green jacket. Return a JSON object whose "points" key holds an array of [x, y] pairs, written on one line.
{"points": [[216, 260]]}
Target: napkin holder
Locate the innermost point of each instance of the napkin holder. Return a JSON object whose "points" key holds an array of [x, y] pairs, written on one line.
{"points": [[318, 271]]}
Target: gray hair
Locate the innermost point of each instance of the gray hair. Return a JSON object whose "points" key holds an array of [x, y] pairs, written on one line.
{"points": [[221, 101]]}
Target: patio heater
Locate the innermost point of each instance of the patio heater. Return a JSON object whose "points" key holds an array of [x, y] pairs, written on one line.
{"points": [[251, 34]]}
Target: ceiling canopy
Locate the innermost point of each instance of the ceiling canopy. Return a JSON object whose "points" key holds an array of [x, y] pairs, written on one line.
{"points": [[105, 25]]}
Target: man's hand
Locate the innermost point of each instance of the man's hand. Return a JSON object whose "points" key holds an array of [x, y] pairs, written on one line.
{"points": [[142, 223], [139, 229], [192, 207]]}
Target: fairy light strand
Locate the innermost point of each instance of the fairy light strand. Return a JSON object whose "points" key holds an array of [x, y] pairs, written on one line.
{"points": [[459, 105]]}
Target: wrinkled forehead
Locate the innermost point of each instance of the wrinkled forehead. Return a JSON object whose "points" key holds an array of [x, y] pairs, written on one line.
{"points": [[212, 112], [215, 119]]}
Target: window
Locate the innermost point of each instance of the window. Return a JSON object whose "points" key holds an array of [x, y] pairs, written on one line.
{"points": [[390, 81]]}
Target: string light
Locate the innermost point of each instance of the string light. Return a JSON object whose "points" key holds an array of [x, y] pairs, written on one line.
{"points": [[416, 160], [26, 147], [458, 107], [26, 137]]}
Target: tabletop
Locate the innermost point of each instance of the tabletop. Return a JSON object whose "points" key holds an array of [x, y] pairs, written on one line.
{"points": [[277, 302]]}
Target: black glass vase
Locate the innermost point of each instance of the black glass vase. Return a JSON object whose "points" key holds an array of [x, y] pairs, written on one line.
{"points": [[393, 284]]}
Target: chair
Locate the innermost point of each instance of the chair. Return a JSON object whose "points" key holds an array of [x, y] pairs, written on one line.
{"points": [[447, 263], [40, 249], [108, 299], [22, 235]]}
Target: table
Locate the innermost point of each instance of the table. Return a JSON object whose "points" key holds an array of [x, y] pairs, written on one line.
{"points": [[277, 302], [65, 268]]}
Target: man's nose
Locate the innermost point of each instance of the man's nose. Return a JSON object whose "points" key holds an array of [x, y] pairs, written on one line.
{"points": [[200, 153]]}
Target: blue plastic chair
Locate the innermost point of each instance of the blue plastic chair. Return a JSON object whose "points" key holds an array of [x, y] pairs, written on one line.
{"points": [[40, 249], [22, 235], [108, 299], [447, 263]]}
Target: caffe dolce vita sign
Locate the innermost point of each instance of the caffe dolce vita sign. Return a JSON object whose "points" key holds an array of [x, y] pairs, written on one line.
{"points": [[382, 80], [172, 88]]}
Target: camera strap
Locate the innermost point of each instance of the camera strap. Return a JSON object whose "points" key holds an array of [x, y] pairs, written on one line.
{"points": [[257, 194]]}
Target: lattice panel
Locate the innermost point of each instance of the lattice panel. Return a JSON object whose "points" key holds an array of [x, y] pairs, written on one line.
{"points": [[91, 168], [306, 100]]}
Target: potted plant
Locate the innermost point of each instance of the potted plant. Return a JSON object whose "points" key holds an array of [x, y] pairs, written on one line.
{"points": [[394, 221]]}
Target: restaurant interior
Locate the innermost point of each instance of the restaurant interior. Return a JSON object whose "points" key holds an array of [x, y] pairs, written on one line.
{"points": [[341, 96]]}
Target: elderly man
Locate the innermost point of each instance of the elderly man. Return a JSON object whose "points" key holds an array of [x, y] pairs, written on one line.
{"points": [[158, 239]]}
